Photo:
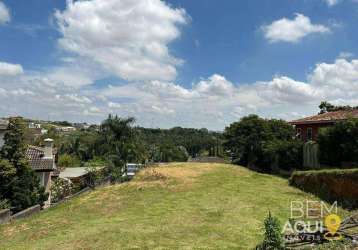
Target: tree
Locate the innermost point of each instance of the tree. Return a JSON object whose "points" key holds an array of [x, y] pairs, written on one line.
{"points": [[338, 143], [118, 144], [68, 161], [273, 238], [250, 141], [328, 107], [7, 177], [22, 187]]}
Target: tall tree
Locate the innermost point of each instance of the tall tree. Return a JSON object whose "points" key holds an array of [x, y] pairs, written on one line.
{"points": [[119, 144], [22, 188]]}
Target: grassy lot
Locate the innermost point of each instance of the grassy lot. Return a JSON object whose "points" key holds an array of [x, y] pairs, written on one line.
{"points": [[191, 205]]}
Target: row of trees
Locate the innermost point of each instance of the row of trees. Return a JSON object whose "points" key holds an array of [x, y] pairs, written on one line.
{"points": [[135, 144], [178, 144]]}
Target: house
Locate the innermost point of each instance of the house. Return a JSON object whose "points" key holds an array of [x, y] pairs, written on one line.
{"points": [[307, 128], [3, 128], [42, 161], [78, 176], [67, 129], [34, 125]]}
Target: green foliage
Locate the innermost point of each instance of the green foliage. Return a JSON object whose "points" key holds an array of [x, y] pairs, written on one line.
{"points": [[328, 107], [339, 143], [331, 185], [19, 184], [96, 171], [284, 154], [14, 147], [168, 153], [195, 141], [4, 204], [258, 142], [273, 238], [83, 145], [68, 161], [61, 188]]}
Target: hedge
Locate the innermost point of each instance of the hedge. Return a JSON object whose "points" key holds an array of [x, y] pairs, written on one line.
{"points": [[332, 185]]}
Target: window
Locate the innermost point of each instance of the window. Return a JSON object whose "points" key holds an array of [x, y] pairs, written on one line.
{"points": [[298, 133], [309, 134]]}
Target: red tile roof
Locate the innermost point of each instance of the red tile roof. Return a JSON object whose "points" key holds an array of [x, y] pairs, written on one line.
{"points": [[329, 117], [35, 155]]}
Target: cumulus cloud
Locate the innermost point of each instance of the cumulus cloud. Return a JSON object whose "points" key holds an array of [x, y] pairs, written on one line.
{"points": [[287, 30], [126, 38], [4, 14], [212, 102], [8, 69]]}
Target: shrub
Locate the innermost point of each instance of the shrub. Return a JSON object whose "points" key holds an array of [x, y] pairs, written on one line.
{"points": [[339, 143], [284, 154], [96, 172], [60, 189], [273, 238], [332, 185]]}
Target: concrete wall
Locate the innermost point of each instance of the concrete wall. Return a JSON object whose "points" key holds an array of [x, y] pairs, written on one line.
{"points": [[27, 212], [5, 216]]}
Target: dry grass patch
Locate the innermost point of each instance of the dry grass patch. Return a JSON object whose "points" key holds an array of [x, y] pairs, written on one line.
{"points": [[176, 177]]}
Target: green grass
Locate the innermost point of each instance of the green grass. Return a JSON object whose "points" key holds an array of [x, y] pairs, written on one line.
{"points": [[186, 206]]}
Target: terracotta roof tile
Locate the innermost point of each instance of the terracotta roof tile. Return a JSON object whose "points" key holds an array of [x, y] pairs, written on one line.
{"points": [[37, 161], [328, 117]]}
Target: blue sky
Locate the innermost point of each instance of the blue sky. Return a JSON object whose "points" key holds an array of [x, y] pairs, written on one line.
{"points": [[179, 62]]}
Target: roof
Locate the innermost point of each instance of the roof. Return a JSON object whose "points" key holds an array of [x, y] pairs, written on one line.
{"points": [[329, 117], [37, 161], [73, 172]]}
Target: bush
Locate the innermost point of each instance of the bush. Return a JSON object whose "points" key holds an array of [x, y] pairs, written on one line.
{"points": [[61, 188], [284, 154], [96, 172], [273, 238], [339, 143], [332, 185]]}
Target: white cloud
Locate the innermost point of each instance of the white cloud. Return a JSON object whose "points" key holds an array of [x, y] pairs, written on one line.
{"points": [[213, 102], [8, 69], [216, 85], [114, 105], [345, 55], [287, 30], [126, 38], [331, 2], [4, 14]]}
